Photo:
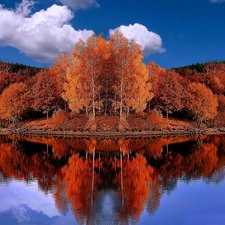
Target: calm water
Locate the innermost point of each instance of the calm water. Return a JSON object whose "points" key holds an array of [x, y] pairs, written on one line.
{"points": [[166, 181]]}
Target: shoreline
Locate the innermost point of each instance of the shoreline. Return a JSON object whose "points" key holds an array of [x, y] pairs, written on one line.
{"points": [[110, 134]]}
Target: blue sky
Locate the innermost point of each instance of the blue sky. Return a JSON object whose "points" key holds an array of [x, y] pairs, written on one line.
{"points": [[172, 33]]}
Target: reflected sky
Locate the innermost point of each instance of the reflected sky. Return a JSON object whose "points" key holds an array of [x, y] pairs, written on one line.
{"points": [[26, 204], [195, 202]]}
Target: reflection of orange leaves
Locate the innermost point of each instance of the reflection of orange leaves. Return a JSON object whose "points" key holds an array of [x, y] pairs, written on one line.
{"points": [[60, 149], [15, 164], [78, 180], [123, 145], [204, 159], [12, 162], [155, 148], [136, 176], [107, 144], [201, 162], [91, 144]]}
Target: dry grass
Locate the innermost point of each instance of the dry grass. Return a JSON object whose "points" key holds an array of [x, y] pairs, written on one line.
{"points": [[61, 122]]}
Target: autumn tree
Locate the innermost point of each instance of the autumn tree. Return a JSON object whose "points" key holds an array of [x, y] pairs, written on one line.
{"points": [[133, 88], [201, 104], [219, 120], [214, 76], [58, 74], [107, 80], [170, 92], [43, 93], [14, 102], [82, 89], [5, 74], [155, 74]]}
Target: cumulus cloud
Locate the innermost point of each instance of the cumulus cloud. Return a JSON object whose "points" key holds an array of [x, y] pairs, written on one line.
{"points": [[42, 35], [150, 41], [217, 1], [80, 4]]}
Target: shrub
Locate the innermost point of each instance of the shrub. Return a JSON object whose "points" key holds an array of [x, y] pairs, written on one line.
{"points": [[123, 124]]}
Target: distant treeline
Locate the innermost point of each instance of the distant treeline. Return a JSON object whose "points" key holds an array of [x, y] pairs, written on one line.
{"points": [[198, 67]]}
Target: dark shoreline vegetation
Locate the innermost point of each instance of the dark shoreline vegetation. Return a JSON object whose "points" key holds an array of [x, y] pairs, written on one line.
{"points": [[104, 88]]}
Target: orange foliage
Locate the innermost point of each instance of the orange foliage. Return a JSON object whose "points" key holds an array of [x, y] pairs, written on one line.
{"points": [[201, 102], [43, 92], [14, 102], [170, 92], [58, 119], [123, 124], [82, 89], [91, 124], [132, 87], [155, 73], [155, 119]]}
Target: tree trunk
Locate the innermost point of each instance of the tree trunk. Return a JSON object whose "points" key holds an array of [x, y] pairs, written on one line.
{"points": [[121, 90], [128, 111], [86, 110], [93, 95]]}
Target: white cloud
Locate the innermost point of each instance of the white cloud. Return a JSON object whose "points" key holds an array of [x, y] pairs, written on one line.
{"points": [[25, 7], [150, 41], [217, 1], [42, 35], [80, 4]]}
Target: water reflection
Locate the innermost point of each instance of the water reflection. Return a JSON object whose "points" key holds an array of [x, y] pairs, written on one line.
{"points": [[100, 181]]}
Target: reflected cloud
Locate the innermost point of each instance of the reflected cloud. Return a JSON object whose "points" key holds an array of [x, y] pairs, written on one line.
{"points": [[18, 197]]}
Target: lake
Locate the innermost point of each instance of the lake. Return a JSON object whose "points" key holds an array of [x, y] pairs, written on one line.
{"points": [[159, 180]]}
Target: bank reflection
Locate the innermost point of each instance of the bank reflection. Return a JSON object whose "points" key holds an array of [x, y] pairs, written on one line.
{"points": [[111, 181]]}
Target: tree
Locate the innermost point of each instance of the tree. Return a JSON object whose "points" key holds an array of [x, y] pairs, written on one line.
{"points": [[220, 117], [14, 102], [170, 92], [5, 74], [132, 88], [155, 73], [201, 104], [58, 73], [44, 93], [8, 76], [213, 74], [82, 89]]}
